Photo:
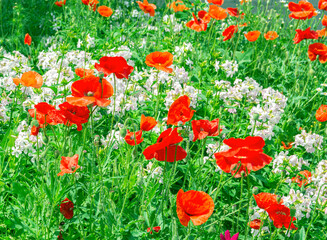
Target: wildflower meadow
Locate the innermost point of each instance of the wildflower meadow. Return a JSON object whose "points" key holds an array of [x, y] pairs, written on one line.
{"points": [[153, 119]]}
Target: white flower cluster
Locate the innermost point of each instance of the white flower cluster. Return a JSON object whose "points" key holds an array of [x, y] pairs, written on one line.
{"points": [[153, 173], [229, 67], [186, 47], [25, 142], [309, 141], [291, 164], [300, 202]]}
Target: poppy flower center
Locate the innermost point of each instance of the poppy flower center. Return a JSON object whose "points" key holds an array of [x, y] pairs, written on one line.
{"points": [[90, 94], [281, 213], [73, 168]]}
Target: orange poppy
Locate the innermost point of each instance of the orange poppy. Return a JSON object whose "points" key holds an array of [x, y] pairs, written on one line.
{"points": [[180, 111], [289, 146], [74, 114], [322, 5], [196, 206], [302, 10], [265, 200], [271, 35], [166, 149], [318, 49], [67, 208], [321, 114], [105, 11], [91, 3], [203, 128], [281, 216], [217, 13], [132, 138], [178, 6], [204, 16], [322, 33], [306, 34], [243, 156], [90, 90], [147, 7], [28, 39], [252, 36], [302, 178], [60, 3], [324, 21], [147, 123], [196, 25], [160, 61], [255, 224], [229, 32], [30, 79], [116, 65], [81, 72], [68, 165], [216, 2], [47, 114]]}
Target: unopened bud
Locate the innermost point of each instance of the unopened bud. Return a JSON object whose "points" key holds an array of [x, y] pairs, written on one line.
{"points": [[293, 212], [123, 132], [35, 123], [256, 116]]}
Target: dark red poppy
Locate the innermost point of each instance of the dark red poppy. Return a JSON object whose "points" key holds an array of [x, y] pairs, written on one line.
{"points": [[302, 178], [318, 49], [245, 154], [166, 149], [229, 32], [281, 216], [147, 123], [203, 128], [255, 224], [233, 12], [67, 208], [306, 34], [91, 3], [116, 65], [302, 10], [35, 130], [265, 200], [196, 25], [204, 16], [156, 229], [46, 113], [133, 139], [75, 114], [196, 206], [90, 90], [180, 111]]}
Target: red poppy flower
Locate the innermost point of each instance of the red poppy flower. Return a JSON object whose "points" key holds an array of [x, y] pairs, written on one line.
{"points": [[321, 114], [29, 79], [160, 61], [203, 128], [116, 65], [90, 90], [302, 178], [196, 206], [105, 11], [204, 16], [147, 123], [133, 139], [91, 3], [234, 12], [229, 32], [217, 13], [286, 147], [28, 39], [324, 21], [321, 33], [281, 216], [271, 35], [166, 149], [75, 114], [82, 72], [178, 6], [196, 25], [306, 34], [247, 151], [180, 111], [147, 7], [67, 208], [322, 5], [318, 49], [265, 200], [35, 130], [69, 165], [46, 113], [252, 36], [255, 224], [216, 2], [156, 229], [60, 3], [302, 10]]}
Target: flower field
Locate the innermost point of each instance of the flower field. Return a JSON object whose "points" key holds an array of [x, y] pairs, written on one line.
{"points": [[163, 119]]}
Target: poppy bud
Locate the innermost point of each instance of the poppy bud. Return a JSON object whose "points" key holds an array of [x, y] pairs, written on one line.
{"points": [[293, 211], [123, 132], [45, 139], [255, 190], [97, 141], [256, 116], [101, 75], [209, 94], [35, 123], [311, 71], [56, 153]]}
